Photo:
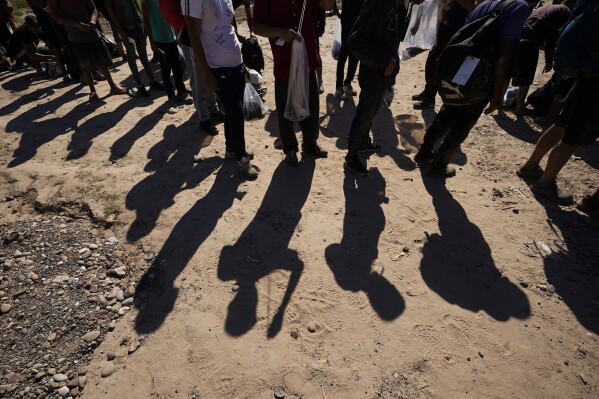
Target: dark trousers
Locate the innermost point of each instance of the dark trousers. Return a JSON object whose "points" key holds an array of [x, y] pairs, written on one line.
{"points": [[345, 55], [457, 123], [169, 61], [368, 106], [430, 68], [231, 84], [309, 126]]}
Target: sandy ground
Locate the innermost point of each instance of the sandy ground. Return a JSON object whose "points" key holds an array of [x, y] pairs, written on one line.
{"points": [[413, 287]]}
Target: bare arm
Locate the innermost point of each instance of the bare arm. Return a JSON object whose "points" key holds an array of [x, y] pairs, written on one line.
{"points": [[250, 20], [506, 49], [194, 27], [36, 57]]}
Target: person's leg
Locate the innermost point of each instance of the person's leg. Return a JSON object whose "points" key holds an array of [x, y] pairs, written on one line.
{"points": [[231, 82], [286, 131], [172, 55], [548, 140], [352, 67], [310, 126], [558, 157], [130, 48], [368, 106], [196, 90], [441, 124], [140, 44], [165, 71], [521, 100], [343, 55]]}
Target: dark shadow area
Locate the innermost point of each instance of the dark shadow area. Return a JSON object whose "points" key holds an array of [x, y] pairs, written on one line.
{"points": [[27, 79], [171, 160], [385, 134], [272, 124], [266, 239], [573, 268], [156, 289], [458, 265], [518, 128], [351, 260], [340, 114], [35, 132], [84, 135], [428, 114]]}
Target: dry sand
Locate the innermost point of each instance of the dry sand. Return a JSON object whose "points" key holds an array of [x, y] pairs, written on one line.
{"points": [[414, 287]]}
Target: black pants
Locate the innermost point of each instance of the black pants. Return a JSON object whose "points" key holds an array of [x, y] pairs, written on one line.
{"points": [[169, 61], [457, 123], [345, 56], [368, 106], [309, 125], [231, 85]]}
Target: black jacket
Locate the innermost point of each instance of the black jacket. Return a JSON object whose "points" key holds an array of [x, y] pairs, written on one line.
{"points": [[374, 41]]}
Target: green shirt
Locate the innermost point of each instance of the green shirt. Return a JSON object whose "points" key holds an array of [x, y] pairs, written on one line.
{"points": [[162, 32]]}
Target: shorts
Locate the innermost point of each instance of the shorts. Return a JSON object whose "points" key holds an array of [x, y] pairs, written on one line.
{"points": [[524, 63], [580, 117], [91, 56]]}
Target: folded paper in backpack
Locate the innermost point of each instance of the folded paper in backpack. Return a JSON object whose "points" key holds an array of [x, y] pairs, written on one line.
{"points": [[462, 76]]}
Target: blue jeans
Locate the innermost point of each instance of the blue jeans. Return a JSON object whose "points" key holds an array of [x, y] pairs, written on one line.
{"points": [[368, 106], [231, 84]]}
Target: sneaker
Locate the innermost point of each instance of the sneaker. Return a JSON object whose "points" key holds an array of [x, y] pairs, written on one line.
{"points": [[233, 155], [316, 151], [419, 96], [552, 192], [209, 128], [291, 158], [349, 90], [530, 172], [341, 94], [425, 103], [183, 97], [155, 85], [423, 156], [143, 91], [354, 165], [247, 170], [368, 147], [440, 171]]}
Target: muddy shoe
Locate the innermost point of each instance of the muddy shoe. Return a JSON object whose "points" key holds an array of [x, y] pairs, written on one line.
{"points": [[440, 171], [354, 165], [530, 172], [552, 192], [247, 170]]}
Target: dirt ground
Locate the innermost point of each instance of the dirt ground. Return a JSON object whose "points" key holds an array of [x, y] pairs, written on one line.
{"points": [[389, 286]]}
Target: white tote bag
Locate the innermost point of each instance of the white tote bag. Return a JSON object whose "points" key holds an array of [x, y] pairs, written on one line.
{"points": [[298, 104]]}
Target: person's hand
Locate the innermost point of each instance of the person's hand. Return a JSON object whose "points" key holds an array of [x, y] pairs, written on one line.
{"points": [[548, 67], [494, 105], [391, 67], [93, 26], [210, 82], [290, 35]]}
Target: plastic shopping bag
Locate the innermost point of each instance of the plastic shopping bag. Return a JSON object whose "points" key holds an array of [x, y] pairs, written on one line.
{"points": [[253, 106], [510, 97], [298, 106], [422, 30], [336, 49]]}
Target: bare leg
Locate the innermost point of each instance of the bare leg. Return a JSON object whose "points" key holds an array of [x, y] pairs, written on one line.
{"points": [[558, 157], [113, 87], [522, 93], [547, 141]]}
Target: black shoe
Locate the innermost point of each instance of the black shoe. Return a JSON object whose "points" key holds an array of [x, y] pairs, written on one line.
{"points": [[440, 171], [209, 128], [183, 97], [291, 158], [354, 165], [528, 172], [142, 91], [423, 156], [232, 155], [424, 103], [316, 151], [368, 147], [419, 96], [155, 85]]}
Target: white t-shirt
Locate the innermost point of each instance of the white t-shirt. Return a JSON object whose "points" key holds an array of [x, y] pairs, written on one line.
{"points": [[218, 36]]}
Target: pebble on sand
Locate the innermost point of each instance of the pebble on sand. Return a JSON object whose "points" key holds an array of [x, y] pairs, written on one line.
{"points": [[91, 336], [107, 370]]}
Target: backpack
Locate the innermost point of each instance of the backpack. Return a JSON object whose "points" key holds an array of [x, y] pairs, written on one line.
{"points": [[575, 56], [171, 11], [251, 51], [466, 68]]}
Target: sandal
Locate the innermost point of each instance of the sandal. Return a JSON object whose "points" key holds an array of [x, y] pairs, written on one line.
{"points": [[118, 90]]}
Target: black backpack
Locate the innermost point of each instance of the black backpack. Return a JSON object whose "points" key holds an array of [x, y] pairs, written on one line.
{"points": [[478, 39], [251, 51]]}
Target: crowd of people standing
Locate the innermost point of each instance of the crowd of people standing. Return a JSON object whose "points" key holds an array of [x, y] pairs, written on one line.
{"points": [[204, 33]]}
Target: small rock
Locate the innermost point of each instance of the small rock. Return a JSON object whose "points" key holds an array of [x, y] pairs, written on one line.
{"points": [[134, 346], [551, 288], [82, 381], [60, 377], [123, 310], [524, 284], [127, 302], [146, 248], [110, 356], [481, 355], [107, 370], [312, 327], [235, 287], [5, 308], [63, 391], [542, 287], [51, 337], [120, 295], [294, 334], [121, 271], [583, 378], [91, 336], [73, 383], [129, 291]]}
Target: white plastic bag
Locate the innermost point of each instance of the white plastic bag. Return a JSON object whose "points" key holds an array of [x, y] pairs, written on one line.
{"points": [[298, 104], [336, 48], [510, 97], [253, 106], [422, 30]]}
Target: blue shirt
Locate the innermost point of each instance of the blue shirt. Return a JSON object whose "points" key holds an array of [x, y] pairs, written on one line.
{"points": [[511, 20]]}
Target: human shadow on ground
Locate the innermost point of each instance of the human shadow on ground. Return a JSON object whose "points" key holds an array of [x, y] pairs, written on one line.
{"points": [[385, 134], [572, 267], [266, 239], [352, 259], [171, 160], [458, 264], [340, 114], [26, 79], [35, 132], [156, 292]]}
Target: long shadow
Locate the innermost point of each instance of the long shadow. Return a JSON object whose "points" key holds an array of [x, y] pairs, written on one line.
{"points": [[266, 239], [518, 128], [35, 132], [351, 260], [84, 135], [385, 134], [340, 114], [23, 82], [156, 292], [572, 268], [458, 265], [172, 161]]}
